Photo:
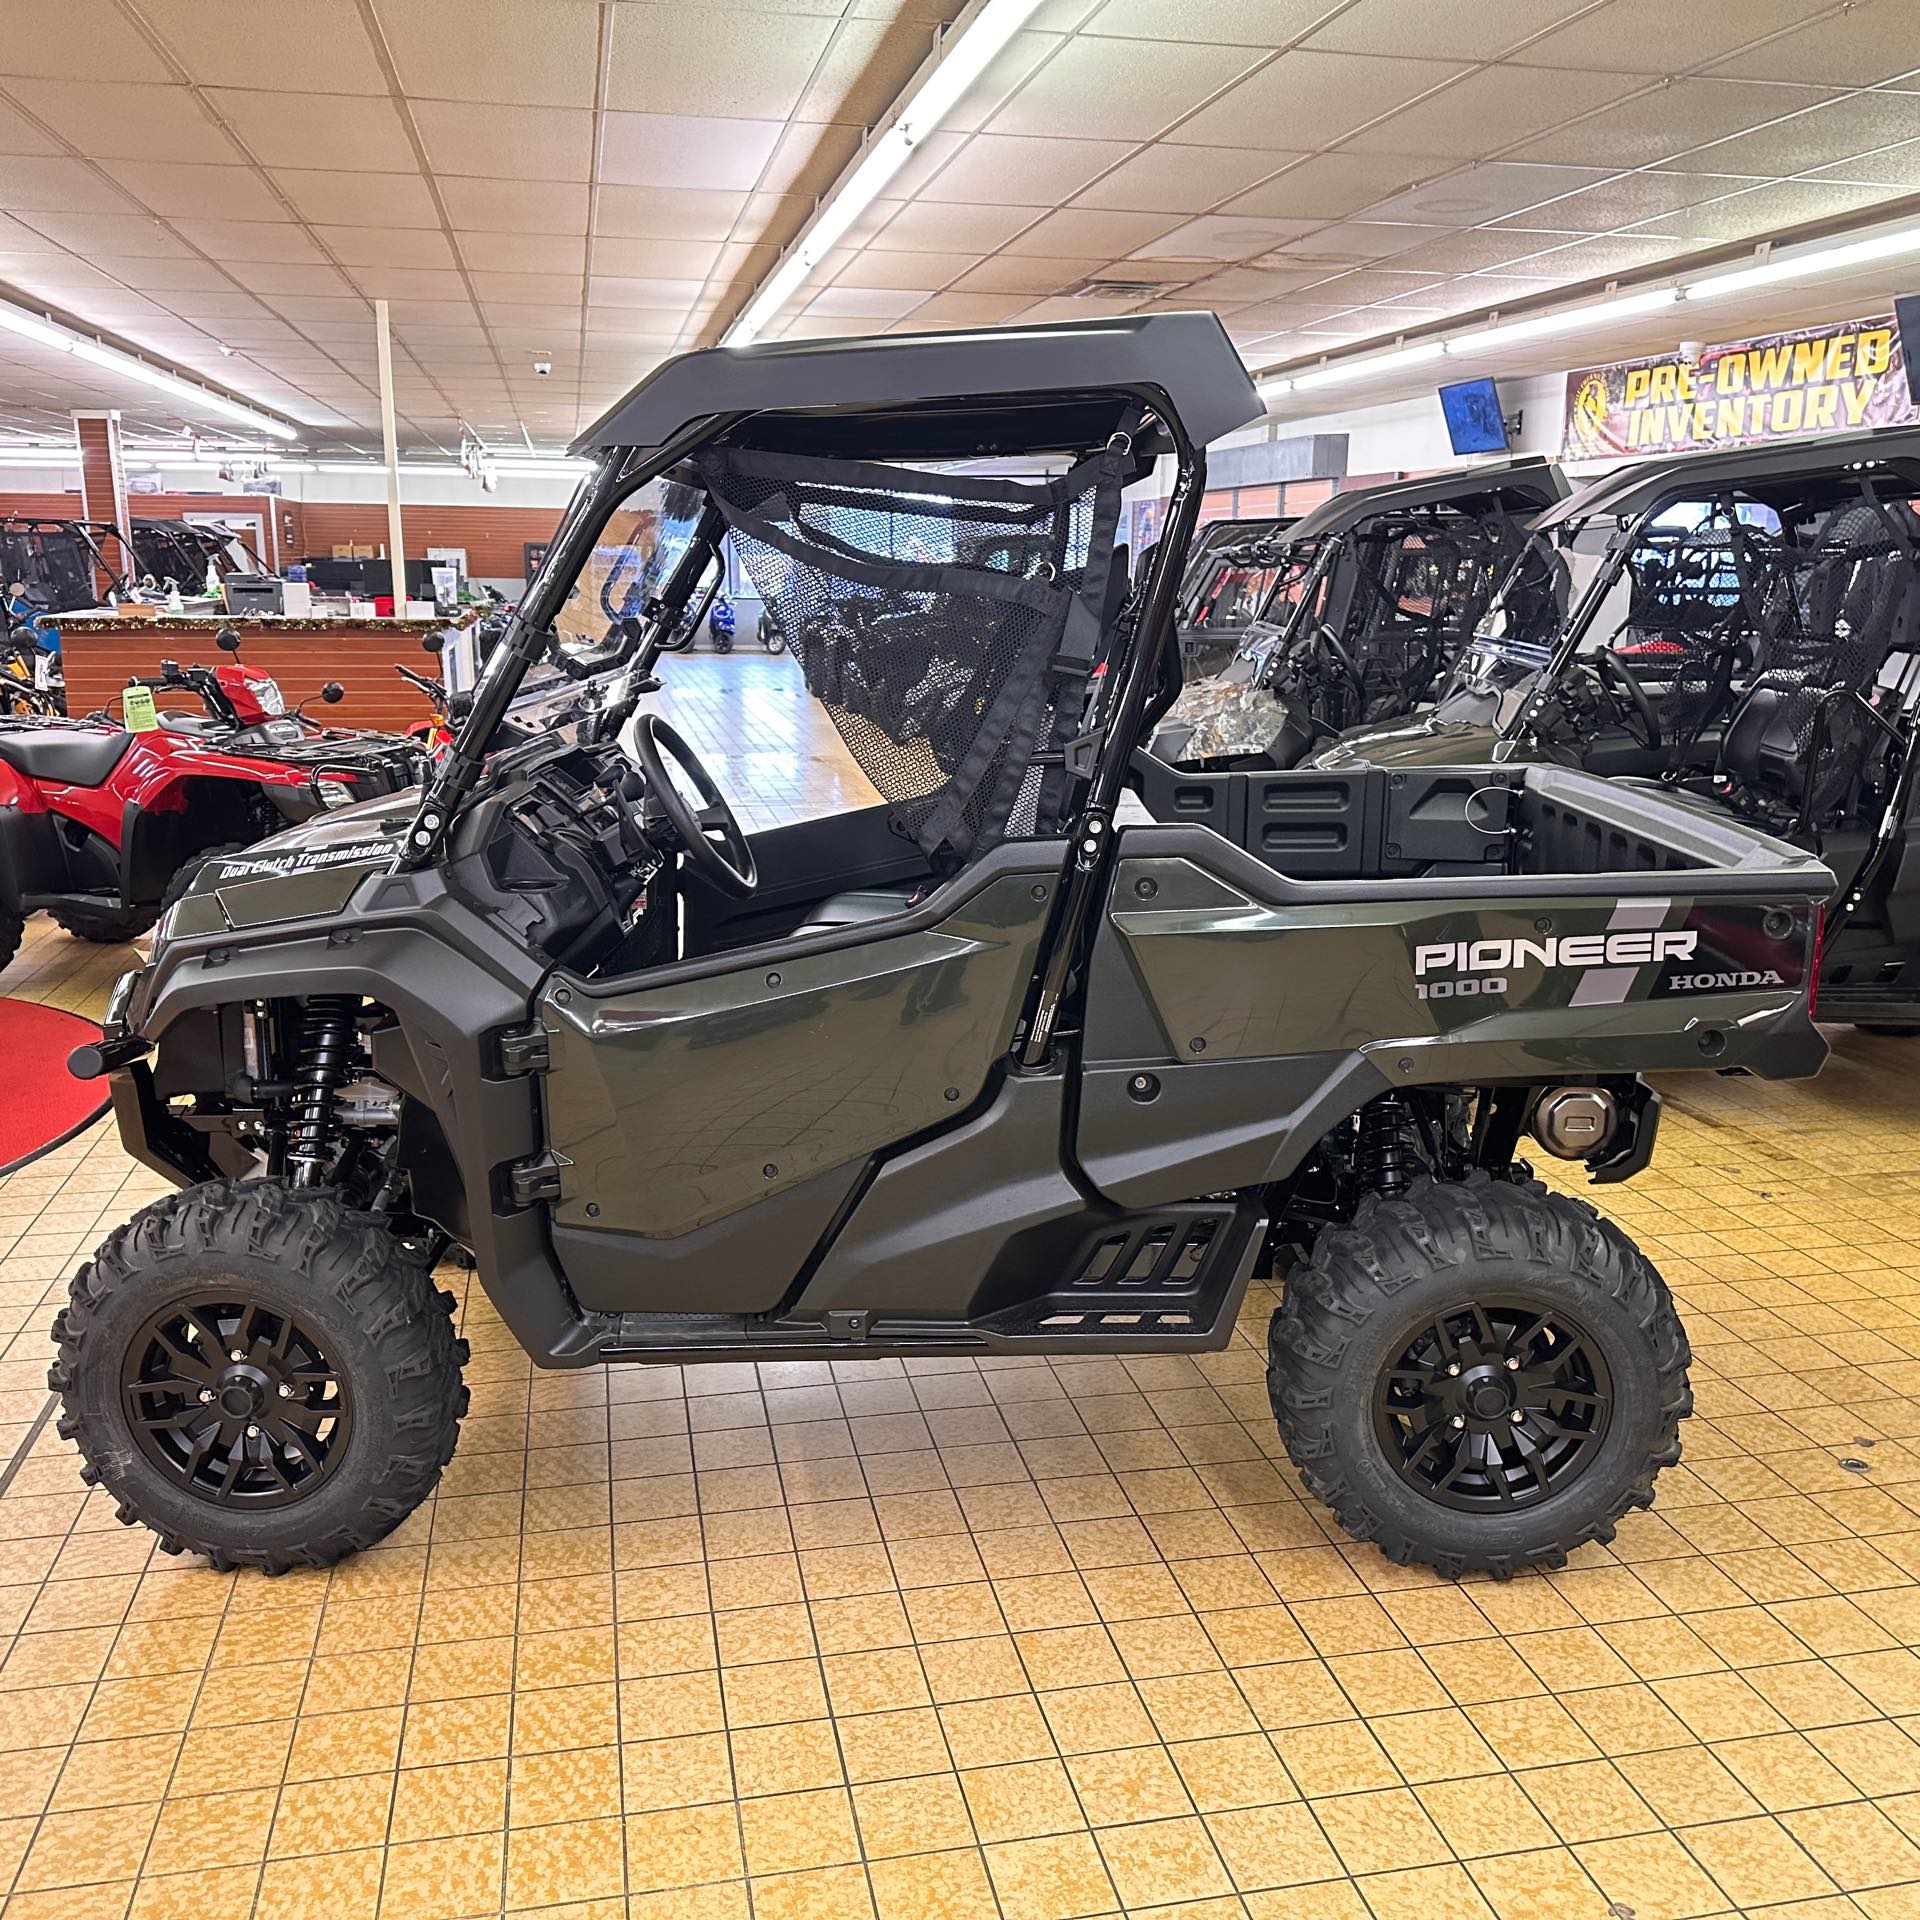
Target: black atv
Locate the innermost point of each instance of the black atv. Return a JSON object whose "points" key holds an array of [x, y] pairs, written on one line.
{"points": [[1367, 602], [985, 1069], [1747, 634]]}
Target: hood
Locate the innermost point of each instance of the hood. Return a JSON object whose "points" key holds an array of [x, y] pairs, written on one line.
{"points": [[307, 871], [1412, 743]]}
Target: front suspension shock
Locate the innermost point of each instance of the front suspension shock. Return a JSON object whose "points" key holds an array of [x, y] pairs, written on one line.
{"points": [[322, 1063]]}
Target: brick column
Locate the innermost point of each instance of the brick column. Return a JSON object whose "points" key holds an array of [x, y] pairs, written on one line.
{"points": [[103, 479]]}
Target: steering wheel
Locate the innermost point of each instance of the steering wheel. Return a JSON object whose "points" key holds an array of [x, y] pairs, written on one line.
{"points": [[709, 835], [1638, 716], [1342, 659]]}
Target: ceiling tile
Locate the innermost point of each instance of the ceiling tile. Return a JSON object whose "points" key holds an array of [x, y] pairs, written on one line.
{"points": [[1645, 36], [28, 184], [524, 253], [506, 142], [408, 283], [677, 150], [655, 259], [374, 201], [250, 239], [1007, 274], [966, 310], [1869, 41], [1629, 198], [101, 236], [1163, 179], [119, 120], [1445, 29], [864, 303], [314, 46], [926, 271], [177, 190], [807, 158], [737, 64], [1486, 192], [1652, 128], [529, 286], [1489, 111], [1890, 167], [1118, 89], [1763, 210], [1860, 123], [1223, 236], [505, 52], [1306, 99], [925, 226], [75, 40], [378, 247], [994, 167], [1088, 230], [864, 69], [514, 206], [350, 133], [1261, 24], [1327, 187]]}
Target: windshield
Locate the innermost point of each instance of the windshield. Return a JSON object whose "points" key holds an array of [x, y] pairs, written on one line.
{"points": [[644, 538]]}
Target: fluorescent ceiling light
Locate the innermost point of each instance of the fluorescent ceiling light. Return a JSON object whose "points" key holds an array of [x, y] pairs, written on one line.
{"points": [[1358, 369], [963, 58], [44, 333], [1800, 266], [1545, 326]]}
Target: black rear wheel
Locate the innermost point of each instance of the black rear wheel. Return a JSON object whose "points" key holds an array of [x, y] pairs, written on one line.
{"points": [[12, 930], [262, 1376], [1478, 1375]]}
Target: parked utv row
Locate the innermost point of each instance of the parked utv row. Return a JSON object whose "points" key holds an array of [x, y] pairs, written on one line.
{"points": [[1743, 633], [999, 1065]]}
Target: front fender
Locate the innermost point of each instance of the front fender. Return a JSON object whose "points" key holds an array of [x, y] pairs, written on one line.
{"points": [[452, 981]]}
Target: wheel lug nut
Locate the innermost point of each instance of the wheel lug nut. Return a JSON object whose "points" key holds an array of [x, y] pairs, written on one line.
{"points": [[236, 1354], [1453, 1367], [1513, 1364], [1517, 1415], [253, 1433], [206, 1394], [1458, 1420], [286, 1392]]}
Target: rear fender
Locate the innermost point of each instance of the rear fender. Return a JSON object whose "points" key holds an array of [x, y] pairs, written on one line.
{"points": [[31, 860]]}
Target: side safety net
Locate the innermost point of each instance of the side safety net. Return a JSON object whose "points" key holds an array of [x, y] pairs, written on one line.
{"points": [[948, 622]]}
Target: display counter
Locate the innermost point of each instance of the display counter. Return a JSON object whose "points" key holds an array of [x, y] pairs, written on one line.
{"points": [[100, 653]]}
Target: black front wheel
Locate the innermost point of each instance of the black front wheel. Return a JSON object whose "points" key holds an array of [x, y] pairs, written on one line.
{"points": [[1479, 1375], [105, 926], [262, 1376]]}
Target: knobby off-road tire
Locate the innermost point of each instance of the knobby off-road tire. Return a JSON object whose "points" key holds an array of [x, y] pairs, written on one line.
{"points": [[105, 926], [189, 871], [12, 930], [356, 1298], [1368, 1301]]}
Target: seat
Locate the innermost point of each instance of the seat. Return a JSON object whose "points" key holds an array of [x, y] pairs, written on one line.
{"points": [[65, 756], [855, 909]]}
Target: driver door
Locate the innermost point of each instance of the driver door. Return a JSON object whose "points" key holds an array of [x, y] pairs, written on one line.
{"points": [[707, 1120]]}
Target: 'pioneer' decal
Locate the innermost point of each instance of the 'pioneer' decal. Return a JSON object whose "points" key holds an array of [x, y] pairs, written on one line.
{"points": [[1637, 947], [307, 860]]}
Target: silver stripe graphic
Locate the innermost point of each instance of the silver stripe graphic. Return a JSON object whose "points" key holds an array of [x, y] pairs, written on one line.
{"points": [[1609, 986]]}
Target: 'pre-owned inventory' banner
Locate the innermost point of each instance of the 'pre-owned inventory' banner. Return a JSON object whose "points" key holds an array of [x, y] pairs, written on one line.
{"points": [[1821, 380]]}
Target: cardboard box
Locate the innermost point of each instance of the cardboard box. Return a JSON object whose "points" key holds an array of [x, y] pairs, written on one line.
{"points": [[355, 550]]}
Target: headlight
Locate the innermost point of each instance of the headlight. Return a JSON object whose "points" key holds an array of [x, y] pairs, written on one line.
{"points": [[334, 793], [271, 699]]}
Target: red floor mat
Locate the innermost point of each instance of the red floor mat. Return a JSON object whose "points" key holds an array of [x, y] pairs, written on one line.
{"points": [[41, 1103]]}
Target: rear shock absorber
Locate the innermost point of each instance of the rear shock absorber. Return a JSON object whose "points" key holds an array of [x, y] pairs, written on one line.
{"points": [[322, 1063], [1384, 1158]]}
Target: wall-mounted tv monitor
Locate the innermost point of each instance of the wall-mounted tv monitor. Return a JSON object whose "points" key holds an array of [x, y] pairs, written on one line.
{"points": [[1474, 424]]}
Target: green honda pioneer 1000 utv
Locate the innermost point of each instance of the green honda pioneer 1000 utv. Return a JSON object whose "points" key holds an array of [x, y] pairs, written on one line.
{"points": [[998, 1065]]}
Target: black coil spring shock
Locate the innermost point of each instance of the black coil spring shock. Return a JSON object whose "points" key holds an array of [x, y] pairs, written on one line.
{"points": [[1384, 1158], [323, 1063]]}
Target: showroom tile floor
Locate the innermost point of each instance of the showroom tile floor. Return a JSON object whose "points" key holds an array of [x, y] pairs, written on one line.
{"points": [[1029, 1640]]}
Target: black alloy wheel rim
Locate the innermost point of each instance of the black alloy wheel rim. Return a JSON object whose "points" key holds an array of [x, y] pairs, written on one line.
{"points": [[236, 1402], [1494, 1404]]}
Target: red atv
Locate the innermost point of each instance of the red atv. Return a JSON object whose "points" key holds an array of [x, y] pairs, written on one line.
{"points": [[103, 827]]}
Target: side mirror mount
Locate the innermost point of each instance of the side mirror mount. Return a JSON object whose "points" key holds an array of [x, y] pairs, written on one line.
{"points": [[227, 640], [333, 693]]}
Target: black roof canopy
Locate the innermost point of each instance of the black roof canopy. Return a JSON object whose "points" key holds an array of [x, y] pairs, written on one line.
{"points": [[932, 395], [1522, 486], [1774, 466]]}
